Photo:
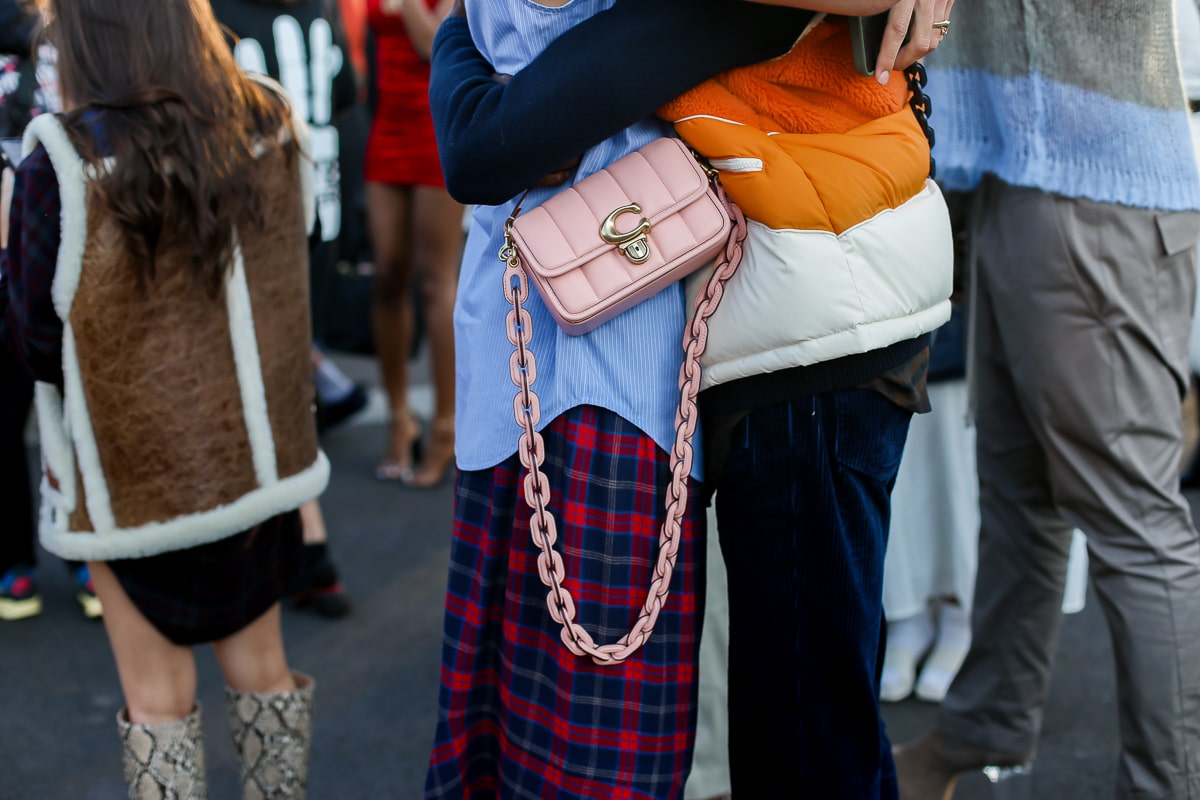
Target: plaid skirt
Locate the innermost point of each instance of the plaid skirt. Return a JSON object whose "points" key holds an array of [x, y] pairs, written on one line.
{"points": [[520, 716], [209, 592]]}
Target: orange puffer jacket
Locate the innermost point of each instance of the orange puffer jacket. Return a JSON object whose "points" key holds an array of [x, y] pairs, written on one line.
{"points": [[848, 248]]}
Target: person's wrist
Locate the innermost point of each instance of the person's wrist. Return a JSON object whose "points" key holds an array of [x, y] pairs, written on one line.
{"points": [[6, 193]]}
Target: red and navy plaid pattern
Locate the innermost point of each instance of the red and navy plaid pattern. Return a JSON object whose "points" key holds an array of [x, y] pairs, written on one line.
{"points": [[519, 716], [211, 591]]}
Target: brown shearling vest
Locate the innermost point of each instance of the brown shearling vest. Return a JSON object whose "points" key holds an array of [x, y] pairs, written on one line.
{"points": [[182, 419]]}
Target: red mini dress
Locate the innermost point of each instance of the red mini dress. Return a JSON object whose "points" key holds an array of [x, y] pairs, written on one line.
{"points": [[401, 148]]}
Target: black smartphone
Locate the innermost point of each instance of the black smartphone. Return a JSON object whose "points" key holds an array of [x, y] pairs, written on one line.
{"points": [[10, 150], [866, 37]]}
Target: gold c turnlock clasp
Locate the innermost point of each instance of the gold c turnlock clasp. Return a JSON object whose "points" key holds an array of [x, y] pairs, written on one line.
{"points": [[634, 244]]}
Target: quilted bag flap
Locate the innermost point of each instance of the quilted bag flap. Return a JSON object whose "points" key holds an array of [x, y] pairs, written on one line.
{"points": [[661, 179]]}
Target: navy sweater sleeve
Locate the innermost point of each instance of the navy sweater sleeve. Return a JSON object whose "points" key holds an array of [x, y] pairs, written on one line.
{"points": [[29, 326], [603, 75]]}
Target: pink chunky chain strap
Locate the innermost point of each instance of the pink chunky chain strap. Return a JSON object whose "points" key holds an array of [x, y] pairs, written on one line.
{"points": [[543, 529]]}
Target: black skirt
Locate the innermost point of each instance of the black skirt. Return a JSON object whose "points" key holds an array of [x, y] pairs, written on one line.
{"points": [[212, 591]]}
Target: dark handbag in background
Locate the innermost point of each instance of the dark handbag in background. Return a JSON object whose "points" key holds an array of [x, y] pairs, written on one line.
{"points": [[342, 307], [948, 348]]}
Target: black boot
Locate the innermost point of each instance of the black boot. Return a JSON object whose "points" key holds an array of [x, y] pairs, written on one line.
{"points": [[316, 586]]}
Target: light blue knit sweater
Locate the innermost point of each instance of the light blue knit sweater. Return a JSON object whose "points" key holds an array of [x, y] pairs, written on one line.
{"points": [[1081, 98]]}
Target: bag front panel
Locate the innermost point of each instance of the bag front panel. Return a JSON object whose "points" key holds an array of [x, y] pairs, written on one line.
{"points": [[586, 278]]}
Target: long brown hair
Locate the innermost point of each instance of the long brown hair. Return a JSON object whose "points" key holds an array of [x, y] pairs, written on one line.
{"points": [[153, 84]]}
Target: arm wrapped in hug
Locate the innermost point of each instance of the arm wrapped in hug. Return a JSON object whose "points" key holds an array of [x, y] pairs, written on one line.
{"points": [[595, 80]]}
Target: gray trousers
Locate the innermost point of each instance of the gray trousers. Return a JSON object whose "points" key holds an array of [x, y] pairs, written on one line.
{"points": [[1079, 363]]}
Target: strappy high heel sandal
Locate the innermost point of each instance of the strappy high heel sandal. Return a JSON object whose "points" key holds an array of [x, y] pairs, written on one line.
{"points": [[439, 457], [399, 463]]}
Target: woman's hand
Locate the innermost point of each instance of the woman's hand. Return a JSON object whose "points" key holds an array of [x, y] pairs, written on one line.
{"points": [[562, 174], [911, 20], [911, 34]]}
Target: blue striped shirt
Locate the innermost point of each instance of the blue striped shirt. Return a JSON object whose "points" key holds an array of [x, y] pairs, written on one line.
{"points": [[629, 365]]}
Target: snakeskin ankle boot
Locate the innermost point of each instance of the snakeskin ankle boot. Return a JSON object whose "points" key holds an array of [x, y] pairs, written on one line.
{"points": [[271, 733], [164, 761]]}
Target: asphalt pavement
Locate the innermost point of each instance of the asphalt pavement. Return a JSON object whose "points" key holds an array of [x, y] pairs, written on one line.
{"points": [[377, 670]]}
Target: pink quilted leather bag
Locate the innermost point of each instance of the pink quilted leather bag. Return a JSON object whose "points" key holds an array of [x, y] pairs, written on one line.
{"points": [[622, 234], [590, 265]]}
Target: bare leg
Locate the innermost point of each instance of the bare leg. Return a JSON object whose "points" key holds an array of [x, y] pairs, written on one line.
{"points": [[313, 523], [252, 660], [270, 710], [158, 677], [390, 217], [437, 252]]}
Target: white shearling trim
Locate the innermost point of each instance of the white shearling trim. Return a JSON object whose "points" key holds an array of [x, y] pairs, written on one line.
{"points": [[29, 140], [190, 531], [249, 371], [308, 178], [69, 168], [57, 454], [79, 420], [53, 512]]}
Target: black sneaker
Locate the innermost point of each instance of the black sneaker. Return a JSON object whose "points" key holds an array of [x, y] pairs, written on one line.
{"points": [[330, 415], [316, 587]]}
